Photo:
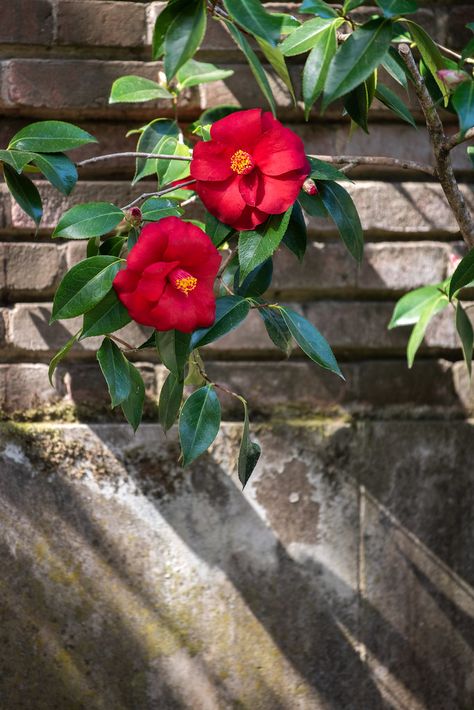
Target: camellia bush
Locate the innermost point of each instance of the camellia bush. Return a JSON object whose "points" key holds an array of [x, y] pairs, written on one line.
{"points": [[191, 282]]}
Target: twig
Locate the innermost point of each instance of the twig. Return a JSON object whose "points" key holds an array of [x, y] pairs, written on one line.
{"points": [[355, 160], [172, 188], [225, 287], [444, 166], [458, 138], [206, 377], [131, 154], [226, 262], [122, 342]]}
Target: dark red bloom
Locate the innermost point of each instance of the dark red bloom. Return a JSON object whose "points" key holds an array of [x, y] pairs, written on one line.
{"points": [[169, 278], [252, 167]]}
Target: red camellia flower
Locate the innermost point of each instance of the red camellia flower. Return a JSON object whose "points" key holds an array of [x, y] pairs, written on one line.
{"points": [[252, 167], [169, 278]]}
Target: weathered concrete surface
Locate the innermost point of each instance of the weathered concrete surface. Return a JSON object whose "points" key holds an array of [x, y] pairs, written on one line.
{"points": [[334, 582]]}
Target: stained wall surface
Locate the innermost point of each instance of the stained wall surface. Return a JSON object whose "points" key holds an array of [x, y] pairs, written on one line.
{"points": [[343, 577]]}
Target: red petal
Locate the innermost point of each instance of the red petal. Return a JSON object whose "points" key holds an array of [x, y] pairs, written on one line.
{"points": [[125, 281], [279, 151], [211, 161], [153, 280], [241, 129], [251, 187], [194, 251], [150, 246], [280, 192], [185, 313], [222, 199]]}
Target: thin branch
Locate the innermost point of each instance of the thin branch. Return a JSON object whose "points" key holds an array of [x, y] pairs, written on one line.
{"points": [[458, 138], [355, 160], [165, 191], [131, 154], [121, 342], [444, 166], [226, 262]]}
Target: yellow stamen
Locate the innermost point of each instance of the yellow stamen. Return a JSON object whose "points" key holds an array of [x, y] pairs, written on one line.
{"points": [[186, 284], [241, 162]]}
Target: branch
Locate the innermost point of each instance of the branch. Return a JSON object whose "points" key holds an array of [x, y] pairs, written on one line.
{"points": [[439, 144], [226, 262], [172, 188], [458, 138], [355, 160], [131, 154]]}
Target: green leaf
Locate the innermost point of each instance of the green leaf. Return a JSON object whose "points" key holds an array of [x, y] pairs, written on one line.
{"points": [[430, 53], [199, 423], [115, 368], [463, 275], [93, 247], [466, 334], [276, 328], [230, 312], [170, 170], [317, 7], [216, 230], [193, 73], [463, 102], [306, 37], [106, 317], [357, 58], [25, 193], [60, 355], [254, 64], [351, 5], [324, 171], [357, 103], [111, 246], [194, 376], [151, 140], [251, 15], [274, 56], [211, 115], [84, 286], [340, 206], [470, 153], [155, 208], [295, 237], [185, 34], [133, 89], [256, 283], [312, 204], [92, 219], [259, 245], [50, 137], [393, 64], [418, 332], [173, 347], [132, 406], [310, 340], [317, 66], [170, 401], [162, 23], [249, 451], [17, 159], [409, 308], [391, 100], [468, 51], [58, 169], [397, 7]]}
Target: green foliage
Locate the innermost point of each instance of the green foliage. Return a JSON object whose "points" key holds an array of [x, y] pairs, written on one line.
{"points": [[463, 275], [230, 312], [340, 206], [199, 423], [251, 15], [89, 220], [317, 7], [295, 237], [466, 334], [184, 35], [391, 8], [432, 57], [132, 406], [317, 66], [256, 283], [249, 452], [216, 230], [170, 401], [193, 73], [133, 89], [84, 286], [58, 169], [310, 340], [106, 317], [155, 208], [173, 347], [359, 100], [256, 246], [60, 355], [152, 139], [393, 102], [17, 159], [306, 37], [321, 170], [50, 137], [409, 308], [25, 193], [116, 371], [463, 102], [277, 329]]}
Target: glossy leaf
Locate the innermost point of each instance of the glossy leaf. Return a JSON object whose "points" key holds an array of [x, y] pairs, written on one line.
{"points": [[325, 171], [58, 169], [252, 16], [310, 340], [92, 219], [276, 328], [169, 403], [25, 193], [463, 275], [312, 204], [199, 423], [341, 208], [155, 208], [276, 59], [184, 35], [468, 51], [256, 283], [174, 347], [307, 36], [162, 23], [418, 332], [257, 246], [106, 317], [136, 89], [317, 7], [397, 7], [393, 102], [357, 58], [249, 451], [132, 406], [115, 368], [84, 286], [358, 101], [193, 73], [230, 312], [216, 230], [170, 170], [351, 5], [295, 237], [16, 159], [50, 137], [410, 307], [151, 140], [393, 64], [317, 66], [463, 102], [111, 246], [466, 334], [432, 57], [60, 355]]}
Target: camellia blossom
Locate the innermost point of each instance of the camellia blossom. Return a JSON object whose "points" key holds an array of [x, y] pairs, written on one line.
{"points": [[169, 278], [251, 168]]}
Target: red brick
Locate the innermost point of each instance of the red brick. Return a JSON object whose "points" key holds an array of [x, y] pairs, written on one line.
{"points": [[101, 23], [27, 22]]}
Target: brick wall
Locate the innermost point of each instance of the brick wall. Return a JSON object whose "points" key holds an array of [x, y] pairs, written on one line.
{"points": [[58, 59]]}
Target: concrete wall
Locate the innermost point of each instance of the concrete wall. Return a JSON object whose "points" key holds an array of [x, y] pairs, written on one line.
{"points": [[343, 578]]}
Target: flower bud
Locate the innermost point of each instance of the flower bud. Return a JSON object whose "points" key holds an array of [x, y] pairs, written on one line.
{"points": [[451, 78], [131, 218], [309, 186]]}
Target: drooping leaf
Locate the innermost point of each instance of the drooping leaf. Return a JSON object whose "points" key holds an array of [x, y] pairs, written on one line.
{"points": [[317, 66], [310, 340], [358, 101], [463, 275], [199, 423], [184, 35], [60, 355], [84, 286], [151, 140], [112, 246], [340, 206], [58, 169], [357, 58], [92, 219], [321, 170], [17, 159], [155, 208], [276, 328], [256, 246], [307, 36], [463, 102], [170, 170], [115, 368], [50, 137], [351, 5], [132, 406], [410, 307], [432, 57], [394, 65], [397, 7], [230, 312], [466, 334], [25, 193], [418, 333], [133, 89], [211, 115], [174, 347], [256, 283], [274, 57], [252, 16], [295, 237], [106, 317], [169, 403], [312, 204], [216, 230], [317, 7], [393, 102], [162, 23], [249, 451], [193, 73]]}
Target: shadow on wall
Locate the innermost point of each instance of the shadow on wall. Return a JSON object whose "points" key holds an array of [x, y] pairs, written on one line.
{"points": [[129, 583]]}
